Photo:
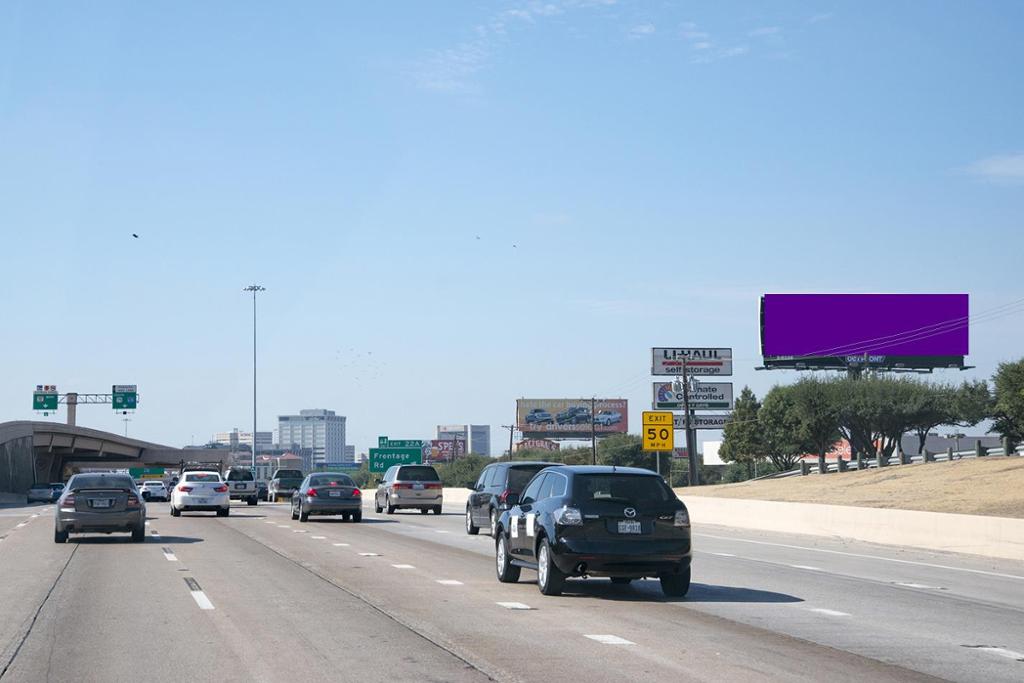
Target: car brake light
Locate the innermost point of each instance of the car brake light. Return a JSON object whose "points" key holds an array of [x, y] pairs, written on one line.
{"points": [[221, 489], [356, 492], [503, 496], [312, 493], [682, 518], [397, 486], [568, 516], [433, 486], [69, 501], [185, 489], [133, 502]]}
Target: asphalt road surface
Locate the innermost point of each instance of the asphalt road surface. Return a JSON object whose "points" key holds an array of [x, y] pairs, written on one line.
{"points": [[409, 597]]}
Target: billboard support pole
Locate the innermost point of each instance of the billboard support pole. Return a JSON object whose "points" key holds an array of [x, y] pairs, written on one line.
{"points": [[691, 455]]}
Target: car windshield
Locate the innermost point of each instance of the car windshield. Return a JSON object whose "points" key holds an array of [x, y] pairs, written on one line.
{"points": [[102, 481], [240, 475], [631, 488], [332, 480], [417, 473], [519, 477], [202, 476]]}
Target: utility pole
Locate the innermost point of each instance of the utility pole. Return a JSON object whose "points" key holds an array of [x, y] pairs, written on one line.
{"points": [[254, 288], [511, 432], [691, 454], [593, 430]]}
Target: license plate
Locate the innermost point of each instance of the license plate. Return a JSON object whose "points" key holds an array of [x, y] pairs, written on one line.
{"points": [[629, 527], [101, 503], [239, 487], [417, 487], [334, 494], [200, 501]]}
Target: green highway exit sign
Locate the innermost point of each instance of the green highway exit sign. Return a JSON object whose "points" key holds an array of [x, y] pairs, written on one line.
{"points": [[45, 397], [124, 396], [383, 458]]}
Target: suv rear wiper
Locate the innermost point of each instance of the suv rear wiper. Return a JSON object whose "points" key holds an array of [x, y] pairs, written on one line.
{"points": [[613, 499]]}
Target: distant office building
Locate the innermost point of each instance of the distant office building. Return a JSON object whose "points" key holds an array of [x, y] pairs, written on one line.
{"points": [[235, 438], [318, 432], [471, 438], [350, 453]]}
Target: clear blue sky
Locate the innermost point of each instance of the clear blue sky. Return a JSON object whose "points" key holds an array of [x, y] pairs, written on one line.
{"points": [[657, 165]]}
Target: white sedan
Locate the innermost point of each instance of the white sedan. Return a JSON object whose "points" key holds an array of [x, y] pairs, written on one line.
{"points": [[153, 490], [201, 491]]}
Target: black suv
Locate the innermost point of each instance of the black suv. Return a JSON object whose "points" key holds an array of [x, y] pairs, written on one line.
{"points": [[492, 490], [573, 416], [621, 522]]}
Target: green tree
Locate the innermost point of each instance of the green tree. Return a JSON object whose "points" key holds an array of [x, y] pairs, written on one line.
{"points": [[1008, 410], [742, 441], [816, 409], [782, 433]]}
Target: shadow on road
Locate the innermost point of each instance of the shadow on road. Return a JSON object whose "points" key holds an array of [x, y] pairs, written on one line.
{"points": [[339, 520], [126, 538], [650, 590]]}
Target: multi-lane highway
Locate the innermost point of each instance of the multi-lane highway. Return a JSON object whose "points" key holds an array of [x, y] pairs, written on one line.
{"points": [[406, 597]]}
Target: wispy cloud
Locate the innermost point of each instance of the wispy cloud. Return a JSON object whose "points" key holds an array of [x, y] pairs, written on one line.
{"points": [[455, 69], [764, 31], [1002, 169], [641, 31], [818, 18], [705, 49]]}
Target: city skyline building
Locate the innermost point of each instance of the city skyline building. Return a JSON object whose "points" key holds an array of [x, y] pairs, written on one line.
{"points": [[472, 438], [317, 431]]}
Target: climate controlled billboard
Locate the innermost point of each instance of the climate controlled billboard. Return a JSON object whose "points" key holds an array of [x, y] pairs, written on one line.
{"points": [[876, 330], [571, 418]]}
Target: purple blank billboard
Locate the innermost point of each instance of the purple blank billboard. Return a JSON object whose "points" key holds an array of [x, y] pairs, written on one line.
{"points": [[816, 325]]}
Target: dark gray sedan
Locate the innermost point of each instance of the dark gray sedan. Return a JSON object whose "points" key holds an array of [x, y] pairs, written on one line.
{"points": [[328, 494], [100, 502]]}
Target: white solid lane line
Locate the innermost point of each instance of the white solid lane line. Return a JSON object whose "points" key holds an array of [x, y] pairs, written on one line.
{"points": [[827, 612], [449, 582], [913, 585], [608, 639], [403, 566], [723, 554], [513, 605], [866, 557]]}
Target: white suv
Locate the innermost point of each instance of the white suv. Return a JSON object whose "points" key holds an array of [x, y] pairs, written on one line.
{"points": [[242, 485], [153, 490], [200, 490]]}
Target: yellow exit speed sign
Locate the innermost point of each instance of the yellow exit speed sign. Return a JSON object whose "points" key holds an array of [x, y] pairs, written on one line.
{"points": [[658, 432]]}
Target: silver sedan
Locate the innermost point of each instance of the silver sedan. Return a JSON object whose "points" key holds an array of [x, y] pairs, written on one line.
{"points": [[100, 502]]}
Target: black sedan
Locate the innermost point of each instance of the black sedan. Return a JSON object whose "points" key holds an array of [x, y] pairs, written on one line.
{"points": [[328, 494], [618, 522]]}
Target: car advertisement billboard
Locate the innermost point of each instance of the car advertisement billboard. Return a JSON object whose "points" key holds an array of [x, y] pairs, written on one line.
{"points": [[570, 418], [886, 330]]}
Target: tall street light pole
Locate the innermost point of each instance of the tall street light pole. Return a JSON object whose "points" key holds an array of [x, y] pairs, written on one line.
{"points": [[254, 289]]}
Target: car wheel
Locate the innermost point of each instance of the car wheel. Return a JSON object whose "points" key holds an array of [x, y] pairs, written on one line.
{"points": [[357, 516], [295, 515], [550, 578], [223, 512], [175, 512], [494, 523], [621, 580], [60, 536], [424, 511], [345, 516], [139, 534], [507, 572], [437, 509], [303, 516], [390, 507], [251, 501], [377, 508], [676, 585], [471, 528]]}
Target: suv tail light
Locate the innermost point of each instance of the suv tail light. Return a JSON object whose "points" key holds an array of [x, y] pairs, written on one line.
{"points": [[311, 493], [503, 496], [356, 492], [397, 486], [185, 489], [682, 518], [433, 486], [568, 516], [221, 489]]}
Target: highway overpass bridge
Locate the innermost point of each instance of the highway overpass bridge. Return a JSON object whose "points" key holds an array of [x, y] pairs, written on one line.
{"points": [[33, 452]]}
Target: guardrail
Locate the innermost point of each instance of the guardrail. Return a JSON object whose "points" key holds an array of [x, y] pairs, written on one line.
{"points": [[807, 467]]}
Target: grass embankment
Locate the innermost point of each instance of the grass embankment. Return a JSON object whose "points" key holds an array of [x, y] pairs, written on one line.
{"points": [[985, 486]]}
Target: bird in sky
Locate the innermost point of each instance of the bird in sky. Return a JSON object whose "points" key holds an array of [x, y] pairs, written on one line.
{"points": [[135, 236]]}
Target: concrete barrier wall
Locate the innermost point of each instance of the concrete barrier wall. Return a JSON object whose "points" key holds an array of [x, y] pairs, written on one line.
{"points": [[16, 463], [974, 534]]}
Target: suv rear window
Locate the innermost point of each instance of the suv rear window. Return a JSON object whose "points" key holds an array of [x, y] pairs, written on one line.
{"points": [[417, 473], [519, 477], [626, 488], [240, 475]]}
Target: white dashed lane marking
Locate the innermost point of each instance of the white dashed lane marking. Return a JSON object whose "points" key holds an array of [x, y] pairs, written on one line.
{"points": [[370, 554], [449, 582], [299, 531], [403, 566], [828, 612], [197, 594], [723, 554], [913, 585], [169, 555], [341, 545], [610, 639], [513, 605], [807, 567], [1002, 652], [319, 538]]}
